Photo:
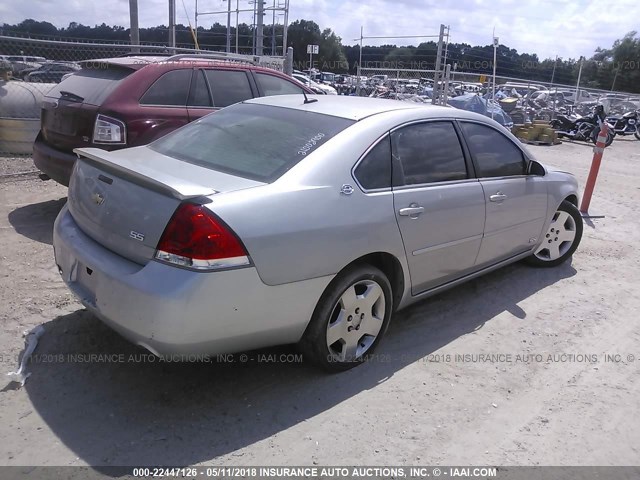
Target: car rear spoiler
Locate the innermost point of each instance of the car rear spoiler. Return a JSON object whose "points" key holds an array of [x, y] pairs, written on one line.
{"points": [[153, 179]]}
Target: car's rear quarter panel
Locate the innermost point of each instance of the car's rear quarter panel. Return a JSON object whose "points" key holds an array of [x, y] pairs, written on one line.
{"points": [[302, 226]]}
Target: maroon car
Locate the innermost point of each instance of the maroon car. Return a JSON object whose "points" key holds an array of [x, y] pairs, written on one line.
{"points": [[129, 101]]}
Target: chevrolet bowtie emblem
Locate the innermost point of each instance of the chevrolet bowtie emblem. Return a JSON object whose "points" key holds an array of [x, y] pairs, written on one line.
{"points": [[97, 198]]}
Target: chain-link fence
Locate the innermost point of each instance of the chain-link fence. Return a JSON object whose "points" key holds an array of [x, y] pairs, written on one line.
{"points": [[543, 100], [402, 84], [29, 68]]}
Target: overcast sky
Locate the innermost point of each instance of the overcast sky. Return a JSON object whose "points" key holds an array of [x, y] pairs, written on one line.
{"points": [[567, 28]]}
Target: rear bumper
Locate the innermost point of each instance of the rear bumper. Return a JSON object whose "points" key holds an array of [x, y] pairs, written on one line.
{"points": [[56, 164], [171, 310]]}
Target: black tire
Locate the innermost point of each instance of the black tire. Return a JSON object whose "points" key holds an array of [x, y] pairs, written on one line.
{"points": [[637, 134], [546, 260], [610, 136], [329, 311]]}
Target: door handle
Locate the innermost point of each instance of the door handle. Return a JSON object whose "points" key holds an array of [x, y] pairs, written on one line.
{"points": [[498, 197], [410, 211]]}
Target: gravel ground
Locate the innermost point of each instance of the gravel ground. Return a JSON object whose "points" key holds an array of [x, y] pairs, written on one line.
{"points": [[550, 397]]}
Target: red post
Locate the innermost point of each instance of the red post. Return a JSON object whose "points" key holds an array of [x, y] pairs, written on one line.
{"points": [[595, 167]]}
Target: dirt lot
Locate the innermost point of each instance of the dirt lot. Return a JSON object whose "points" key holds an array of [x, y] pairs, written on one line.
{"points": [[551, 398]]}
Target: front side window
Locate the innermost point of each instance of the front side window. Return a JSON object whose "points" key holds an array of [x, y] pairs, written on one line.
{"points": [[272, 85], [495, 155], [171, 89], [228, 87], [426, 153]]}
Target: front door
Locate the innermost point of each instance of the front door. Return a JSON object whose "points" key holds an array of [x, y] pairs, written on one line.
{"points": [[516, 203]]}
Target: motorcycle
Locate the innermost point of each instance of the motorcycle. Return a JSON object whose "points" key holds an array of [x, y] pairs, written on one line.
{"points": [[627, 124], [583, 128]]}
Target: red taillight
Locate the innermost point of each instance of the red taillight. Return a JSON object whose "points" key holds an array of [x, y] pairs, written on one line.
{"points": [[196, 238]]}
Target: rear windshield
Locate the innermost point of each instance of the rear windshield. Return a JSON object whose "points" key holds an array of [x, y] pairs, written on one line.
{"points": [[94, 85], [258, 142]]}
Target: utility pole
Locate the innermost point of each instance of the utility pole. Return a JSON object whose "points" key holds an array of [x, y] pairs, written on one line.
{"points": [[228, 26], [360, 61], [172, 24], [436, 73], [614, 78], [135, 32], [285, 27], [260, 28], [578, 84], [237, 21], [553, 74], [273, 30]]}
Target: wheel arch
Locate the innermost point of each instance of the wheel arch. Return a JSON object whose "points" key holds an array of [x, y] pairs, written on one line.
{"points": [[572, 199], [390, 266]]}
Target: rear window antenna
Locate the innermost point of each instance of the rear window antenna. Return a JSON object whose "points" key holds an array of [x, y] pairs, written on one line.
{"points": [[306, 99]]}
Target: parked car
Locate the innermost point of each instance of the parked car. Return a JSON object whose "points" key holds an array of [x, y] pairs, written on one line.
{"points": [[129, 101], [570, 95], [23, 63], [303, 220], [51, 72], [319, 88]]}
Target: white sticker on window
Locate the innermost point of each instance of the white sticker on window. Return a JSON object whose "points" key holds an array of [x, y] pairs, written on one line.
{"points": [[313, 141]]}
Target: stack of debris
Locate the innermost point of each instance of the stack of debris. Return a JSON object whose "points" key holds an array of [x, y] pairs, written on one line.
{"points": [[537, 133]]}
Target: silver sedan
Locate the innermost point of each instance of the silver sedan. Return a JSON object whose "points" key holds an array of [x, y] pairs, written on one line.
{"points": [[303, 220]]}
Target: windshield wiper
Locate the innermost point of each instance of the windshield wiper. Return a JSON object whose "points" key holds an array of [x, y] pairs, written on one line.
{"points": [[71, 96]]}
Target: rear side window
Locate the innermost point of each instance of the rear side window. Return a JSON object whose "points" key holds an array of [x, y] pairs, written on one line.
{"points": [[426, 153], [93, 85], [258, 142], [495, 155], [374, 171], [228, 87], [272, 85], [170, 89]]}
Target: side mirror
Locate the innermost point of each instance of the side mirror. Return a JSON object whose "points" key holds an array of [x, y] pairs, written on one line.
{"points": [[535, 168]]}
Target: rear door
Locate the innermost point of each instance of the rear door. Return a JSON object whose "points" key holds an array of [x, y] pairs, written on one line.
{"points": [[439, 206], [213, 89], [165, 104], [200, 102], [516, 203]]}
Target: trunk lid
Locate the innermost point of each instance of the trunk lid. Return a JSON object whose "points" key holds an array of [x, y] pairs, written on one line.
{"points": [[125, 199], [66, 124]]}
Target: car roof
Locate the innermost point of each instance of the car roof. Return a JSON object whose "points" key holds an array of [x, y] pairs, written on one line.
{"points": [[138, 61], [352, 108]]}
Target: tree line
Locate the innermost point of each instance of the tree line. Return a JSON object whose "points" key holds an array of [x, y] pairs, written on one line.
{"points": [[617, 67]]}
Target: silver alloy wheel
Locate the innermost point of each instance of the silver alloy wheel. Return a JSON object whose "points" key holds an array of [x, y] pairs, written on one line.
{"points": [[356, 320], [559, 237]]}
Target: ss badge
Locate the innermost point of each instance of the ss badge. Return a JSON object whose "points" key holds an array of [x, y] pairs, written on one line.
{"points": [[136, 235]]}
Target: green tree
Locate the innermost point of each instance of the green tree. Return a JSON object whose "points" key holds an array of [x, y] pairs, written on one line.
{"points": [[306, 32]]}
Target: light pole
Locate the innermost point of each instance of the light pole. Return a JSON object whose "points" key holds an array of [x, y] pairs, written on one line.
{"points": [[495, 48]]}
